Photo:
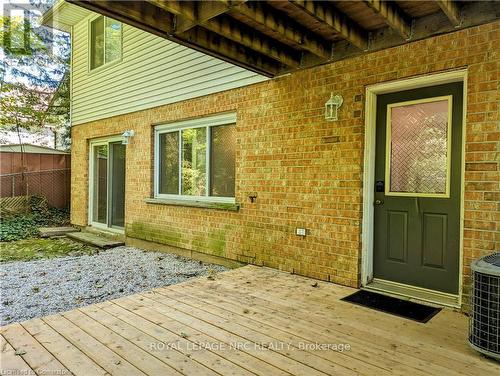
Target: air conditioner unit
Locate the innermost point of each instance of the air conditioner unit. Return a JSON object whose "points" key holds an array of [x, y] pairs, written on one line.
{"points": [[484, 329]]}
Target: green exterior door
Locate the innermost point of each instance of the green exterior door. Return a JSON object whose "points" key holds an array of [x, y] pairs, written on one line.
{"points": [[417, 187]]}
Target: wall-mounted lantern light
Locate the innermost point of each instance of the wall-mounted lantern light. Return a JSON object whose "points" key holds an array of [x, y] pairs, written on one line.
{"points": [[126, 136], [332, 107]]}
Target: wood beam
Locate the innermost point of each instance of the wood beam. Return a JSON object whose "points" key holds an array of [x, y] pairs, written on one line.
{"points": [[150, 18], [392, 16], [226, 27], [347, 29], [194, 13], [236, 52], [135, 13], [179, 8], [262, 18], [473, 14], [452, 11], [205, 11], [271, 24], [240, 34]]}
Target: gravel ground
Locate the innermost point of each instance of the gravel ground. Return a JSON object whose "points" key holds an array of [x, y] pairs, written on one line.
{"points": [[37, 288]]}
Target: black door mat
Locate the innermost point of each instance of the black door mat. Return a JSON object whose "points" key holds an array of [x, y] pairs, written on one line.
{"points": [[394, 306]]}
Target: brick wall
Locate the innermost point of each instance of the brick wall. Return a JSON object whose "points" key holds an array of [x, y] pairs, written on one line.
{"points": [[307, 172]]}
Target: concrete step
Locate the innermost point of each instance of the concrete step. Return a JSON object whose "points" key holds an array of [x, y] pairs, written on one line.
{"points": [[104, 233], [96, 240], [48, 232]]}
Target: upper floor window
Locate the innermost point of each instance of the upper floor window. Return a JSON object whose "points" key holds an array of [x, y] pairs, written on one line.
{"points": [[195, 159], [105, 41]]}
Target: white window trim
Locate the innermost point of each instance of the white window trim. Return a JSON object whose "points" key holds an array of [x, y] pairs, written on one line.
{"points": [[105, 65], [205, 122]]}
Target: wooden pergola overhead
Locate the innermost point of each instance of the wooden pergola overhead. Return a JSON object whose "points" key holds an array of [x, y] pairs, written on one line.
{"points": [[279, 36]]}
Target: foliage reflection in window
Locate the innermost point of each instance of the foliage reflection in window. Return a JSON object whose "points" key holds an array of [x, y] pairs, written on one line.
{"points": [[169, 163], [105, 41], [197, 162], [194, 163]]}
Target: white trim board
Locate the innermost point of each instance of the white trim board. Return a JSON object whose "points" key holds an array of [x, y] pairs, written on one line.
{"points": [[412, 293], [372, 92]]}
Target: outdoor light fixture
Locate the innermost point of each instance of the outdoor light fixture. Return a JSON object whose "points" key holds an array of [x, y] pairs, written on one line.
{"points": [[332, 107], [126, 136]]}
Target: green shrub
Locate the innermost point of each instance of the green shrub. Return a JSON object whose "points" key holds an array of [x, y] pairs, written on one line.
{"points": [[22, 226]]}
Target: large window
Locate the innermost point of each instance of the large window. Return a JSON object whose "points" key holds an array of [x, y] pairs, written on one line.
{"points": [[105, 41], [195, 159]]}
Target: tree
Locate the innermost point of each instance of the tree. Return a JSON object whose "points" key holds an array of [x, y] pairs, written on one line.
{"points": [[58, 111], [35, 59]]}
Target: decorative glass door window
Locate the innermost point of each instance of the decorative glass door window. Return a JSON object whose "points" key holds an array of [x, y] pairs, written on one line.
{"points": [[419, 148]]}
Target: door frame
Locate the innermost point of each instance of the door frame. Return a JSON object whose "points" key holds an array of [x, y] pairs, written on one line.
{"points": [[92, 143], [367, 236]]}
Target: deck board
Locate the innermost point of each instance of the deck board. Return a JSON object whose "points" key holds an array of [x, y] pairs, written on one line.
{"points": [[363, 359], [234, 355], [255, 321], [34, 354], [137, 332], [11, 363], [76, 361]]}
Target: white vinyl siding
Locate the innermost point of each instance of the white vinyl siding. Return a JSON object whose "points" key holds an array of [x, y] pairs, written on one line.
{"points": [[152, 72]]}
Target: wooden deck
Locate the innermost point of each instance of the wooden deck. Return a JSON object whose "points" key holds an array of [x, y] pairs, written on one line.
{"points": [[247, 321]]}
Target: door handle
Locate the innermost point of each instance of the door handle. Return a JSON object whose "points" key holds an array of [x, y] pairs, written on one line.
{"points": [[379, 202]]}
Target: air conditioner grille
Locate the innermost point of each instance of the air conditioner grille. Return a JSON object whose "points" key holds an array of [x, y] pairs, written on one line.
{"points": [[493, 259], [484, 331]]}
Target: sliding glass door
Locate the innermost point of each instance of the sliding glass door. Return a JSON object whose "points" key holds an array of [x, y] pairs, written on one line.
{"points": [[107, 184], [100, 184], [117, 191]]}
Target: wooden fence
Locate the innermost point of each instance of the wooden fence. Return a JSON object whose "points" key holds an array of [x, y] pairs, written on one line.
{"points": [[45, 174], [13, 205], [54, 185]]}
